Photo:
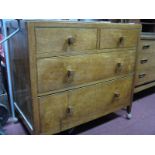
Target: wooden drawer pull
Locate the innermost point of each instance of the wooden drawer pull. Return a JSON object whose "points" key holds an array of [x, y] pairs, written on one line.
{"points": [[119, 67], [119, 64], [71, 40], [70, 73], [70, 76], [116, 94], [146, 46], [142, 75], [69, 110], [143, 61], [121, 40]]}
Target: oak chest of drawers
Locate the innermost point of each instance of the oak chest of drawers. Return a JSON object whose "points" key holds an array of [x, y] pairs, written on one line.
{"points": [[145, 72], [69, 73]]}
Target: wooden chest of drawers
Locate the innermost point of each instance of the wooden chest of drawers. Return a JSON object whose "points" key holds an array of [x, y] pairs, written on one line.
{"points": [[145, 74], [69, 73]]}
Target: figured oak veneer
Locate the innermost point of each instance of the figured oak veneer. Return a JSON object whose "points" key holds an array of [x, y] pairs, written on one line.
{"points": [[85, 104], [53, 72]]}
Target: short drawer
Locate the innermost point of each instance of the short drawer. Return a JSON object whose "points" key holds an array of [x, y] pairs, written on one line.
{"points": [[146, 60], [65, 110], [145, 76], [147, 46], [63, 72], [118, 38], [59, 41]]}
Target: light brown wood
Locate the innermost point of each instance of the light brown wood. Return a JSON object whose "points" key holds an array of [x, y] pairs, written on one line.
{"points": [[52, 112], [73, 53], [147, 46], [129, 108], [118, 38], [58, 40], [62, 72], [146, 60], [70, 108], [99, 74], [83, 85]]}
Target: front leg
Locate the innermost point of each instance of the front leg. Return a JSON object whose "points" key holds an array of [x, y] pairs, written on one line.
{"points": [[129, 115]]}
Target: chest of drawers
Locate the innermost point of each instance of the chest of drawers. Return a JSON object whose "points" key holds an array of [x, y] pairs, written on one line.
{"points": [[145, 72], [69, 73]]}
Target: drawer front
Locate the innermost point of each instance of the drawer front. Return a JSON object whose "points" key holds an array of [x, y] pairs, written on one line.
{"points": [[145, 76], [147, 46], [146, 60], [61, 111], [64, 72], [52, 112], [117, 38], [60, 40]]}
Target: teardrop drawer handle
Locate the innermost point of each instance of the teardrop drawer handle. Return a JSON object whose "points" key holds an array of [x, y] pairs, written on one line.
{"points": [[70, 73], [142, 75], [143, 61], [69, 110], [146, 46], [71, 40], [121, 40], [119, 66], [117, 94]]}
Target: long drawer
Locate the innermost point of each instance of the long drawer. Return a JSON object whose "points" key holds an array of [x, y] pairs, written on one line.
{"points": [[63, 72], [145, 76], [64, 110], [64, 40], [118, 38]]}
